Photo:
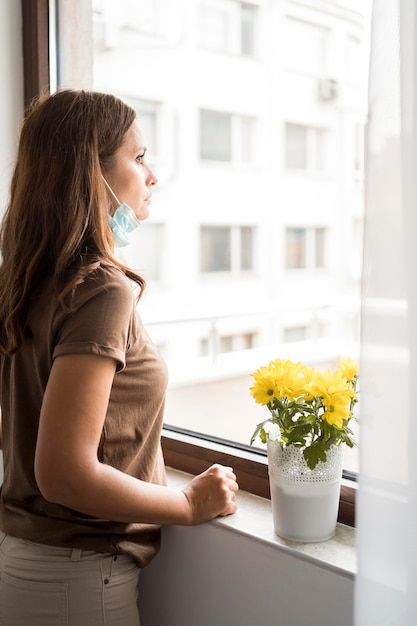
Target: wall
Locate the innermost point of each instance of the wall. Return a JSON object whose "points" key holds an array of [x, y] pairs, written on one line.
{"points": [[212, 575], [11, 102], [11, 80]]}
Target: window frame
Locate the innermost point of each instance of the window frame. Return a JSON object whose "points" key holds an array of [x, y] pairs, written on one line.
{"points": [[188, 452]]}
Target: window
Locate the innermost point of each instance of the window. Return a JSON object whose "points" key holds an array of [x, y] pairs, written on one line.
{"points": [[248, 23], [295, 333], [305, 148], [227, 343], [228, 26], [226, 249], [305, 248], [148, 113], [215, 136], [226, 137], [251, 308]]}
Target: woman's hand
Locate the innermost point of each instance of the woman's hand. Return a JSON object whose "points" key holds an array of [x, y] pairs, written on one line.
{"points": [[212, 493]]}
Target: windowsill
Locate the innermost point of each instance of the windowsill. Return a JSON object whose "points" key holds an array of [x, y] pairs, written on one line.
{"points": [[254, 519]]}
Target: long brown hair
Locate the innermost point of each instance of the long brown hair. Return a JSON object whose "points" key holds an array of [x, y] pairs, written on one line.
{"points": [[56, 223]]}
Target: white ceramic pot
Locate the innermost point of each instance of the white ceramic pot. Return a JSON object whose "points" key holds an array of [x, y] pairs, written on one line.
{"points": [[305, 502]]}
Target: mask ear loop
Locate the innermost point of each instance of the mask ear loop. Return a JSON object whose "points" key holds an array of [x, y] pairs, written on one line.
{"points": [[111, 190]]}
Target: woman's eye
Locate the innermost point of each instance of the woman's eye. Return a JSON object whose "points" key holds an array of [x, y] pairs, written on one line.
{"points": [[140, 157]]}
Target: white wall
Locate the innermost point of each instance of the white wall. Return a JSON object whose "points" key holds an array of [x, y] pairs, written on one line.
{"points": [[11, 101], [211, 575], [11, 80]]}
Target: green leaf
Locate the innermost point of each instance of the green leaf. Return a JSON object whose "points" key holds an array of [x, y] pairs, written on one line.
{"points": [[298, 434], [260, 431], [315, 453], [257, 431]]}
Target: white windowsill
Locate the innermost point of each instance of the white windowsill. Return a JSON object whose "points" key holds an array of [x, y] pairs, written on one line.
{"points": [[254, 519]]}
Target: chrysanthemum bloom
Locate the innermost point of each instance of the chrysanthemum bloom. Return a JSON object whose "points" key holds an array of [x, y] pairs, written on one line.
{"points": [[348, 369], [290, 378], [264, 389], [337, 409]]}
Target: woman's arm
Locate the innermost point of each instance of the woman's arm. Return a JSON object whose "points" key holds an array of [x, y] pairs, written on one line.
{"points": [[68, 471]]}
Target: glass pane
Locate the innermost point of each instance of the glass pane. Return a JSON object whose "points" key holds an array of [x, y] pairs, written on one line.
{"points": [[246, 140], [248, 30], [215, 136], [147, 116], [247, 341], [215, 249], [206, 103], [226, 344], [295, 248], [246, 248], [295, 333], [295, 146], [320, 247]]}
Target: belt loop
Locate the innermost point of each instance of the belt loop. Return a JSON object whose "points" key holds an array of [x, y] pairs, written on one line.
{"points": [[76, 554]]}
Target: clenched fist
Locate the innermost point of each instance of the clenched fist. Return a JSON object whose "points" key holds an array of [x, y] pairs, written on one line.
{"points": [[212, 494]]}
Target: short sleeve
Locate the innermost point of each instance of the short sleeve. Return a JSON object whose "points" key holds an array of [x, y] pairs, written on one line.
{"points": [[101, 318]]}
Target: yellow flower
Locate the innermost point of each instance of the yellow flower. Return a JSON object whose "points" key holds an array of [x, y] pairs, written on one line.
{"points": [[325, 385], [290, 378], [348, 369], [336, 392], [337, 410], [264, 388]]}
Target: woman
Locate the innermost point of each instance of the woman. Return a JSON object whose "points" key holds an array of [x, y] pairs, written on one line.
{"points": [[82, 387]]}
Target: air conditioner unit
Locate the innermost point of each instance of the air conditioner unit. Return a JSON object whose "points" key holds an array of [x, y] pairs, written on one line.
{"points": [[329, 89]]}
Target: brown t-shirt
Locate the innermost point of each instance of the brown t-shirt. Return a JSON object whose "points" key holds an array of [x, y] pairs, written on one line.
{"points": [[105, 322]]}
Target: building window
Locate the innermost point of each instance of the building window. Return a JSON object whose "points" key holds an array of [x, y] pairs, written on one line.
{"points": [[228, 26], [248, 24], [227, 249], [226, 137], [226, 343], [305, 148], [147, 112], [295, 333], [216, 343], [319, 235], [305, 248], [215, 136]]}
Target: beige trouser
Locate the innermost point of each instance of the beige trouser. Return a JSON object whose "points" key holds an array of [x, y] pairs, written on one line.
{"points": [[47, 586]]}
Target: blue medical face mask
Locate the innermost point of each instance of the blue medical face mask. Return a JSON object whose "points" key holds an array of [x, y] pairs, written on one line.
{"points": [[122, 222]]}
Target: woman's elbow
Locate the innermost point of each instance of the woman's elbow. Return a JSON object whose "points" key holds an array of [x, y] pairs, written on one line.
{"points": [[56, 482]]}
